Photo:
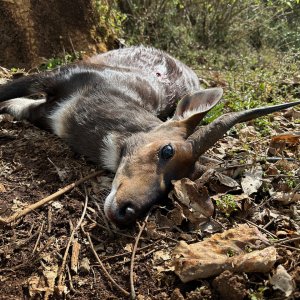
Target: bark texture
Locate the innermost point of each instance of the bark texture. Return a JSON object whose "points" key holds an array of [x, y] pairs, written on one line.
{"points": [[31, 30]]}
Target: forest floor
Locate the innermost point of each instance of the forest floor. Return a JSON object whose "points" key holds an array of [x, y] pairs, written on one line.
{"points": [[254, 179]]}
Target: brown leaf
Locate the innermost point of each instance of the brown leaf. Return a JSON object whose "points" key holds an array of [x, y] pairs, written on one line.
{"points": [[223, 251], [287, 138], [2, 188], [195, 200], [286, 198]]}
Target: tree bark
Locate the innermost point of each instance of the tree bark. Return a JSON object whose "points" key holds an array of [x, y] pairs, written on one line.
{"points": [[32, 30]]}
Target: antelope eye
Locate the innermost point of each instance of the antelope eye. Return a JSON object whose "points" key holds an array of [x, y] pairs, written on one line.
{"points": [[167, 152]]}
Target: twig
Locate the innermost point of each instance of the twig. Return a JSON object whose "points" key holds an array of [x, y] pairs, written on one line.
{"points": [[102, 265], [103, 216], [261, 228], [269, 223], [46, 200], [38, 239], [132, 291], [113, 230], [288, 247], [284, 241], [49, 219], [34, 258], [128, 253], [60, 273], [70, 279]]}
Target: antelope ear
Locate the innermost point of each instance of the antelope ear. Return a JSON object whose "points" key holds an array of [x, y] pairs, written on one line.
{"points": [[193, 107]]}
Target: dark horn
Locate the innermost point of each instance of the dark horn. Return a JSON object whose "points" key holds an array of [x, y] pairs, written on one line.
{"points": [[207, 136]]}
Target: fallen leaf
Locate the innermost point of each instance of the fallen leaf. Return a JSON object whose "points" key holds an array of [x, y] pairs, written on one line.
{"points": [[292, 114], [195, 200], [224, 251], [85, 266], [44, 284], [162, 261], [286, 198], [151, 230], [57, 205], [2, 188], [50, 273], [287, 138], [248, 131], [252, 180], [128, 247], [282, 281]]}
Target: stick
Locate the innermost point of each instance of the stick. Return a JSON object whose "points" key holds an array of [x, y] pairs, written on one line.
{"points": [[132, 291], [60, 273], [38, 239], [103, 268], [46, 200]]}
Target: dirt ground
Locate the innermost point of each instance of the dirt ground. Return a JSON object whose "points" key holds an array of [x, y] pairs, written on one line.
{"points": [[35, 164]]}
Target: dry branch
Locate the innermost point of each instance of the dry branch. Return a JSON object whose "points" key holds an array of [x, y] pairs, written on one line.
{"points": [[46, 200]]}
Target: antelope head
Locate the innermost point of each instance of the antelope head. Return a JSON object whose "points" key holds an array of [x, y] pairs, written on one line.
{"points": [[149, 161]]}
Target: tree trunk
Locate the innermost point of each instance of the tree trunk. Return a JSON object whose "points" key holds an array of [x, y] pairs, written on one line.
{"points": [[31, 30]]}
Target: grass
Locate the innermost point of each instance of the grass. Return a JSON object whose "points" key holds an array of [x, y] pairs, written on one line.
{"points": [[251, 79]]}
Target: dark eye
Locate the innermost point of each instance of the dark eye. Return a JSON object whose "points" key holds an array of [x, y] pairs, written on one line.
{"points": [[166, 152]]}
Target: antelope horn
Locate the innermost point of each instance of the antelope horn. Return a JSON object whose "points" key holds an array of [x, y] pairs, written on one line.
{"points": [[207, 136]]}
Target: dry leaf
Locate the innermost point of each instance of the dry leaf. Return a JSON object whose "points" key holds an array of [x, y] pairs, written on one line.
{"points": [[162, 261], [195, 200], [287, 138], [44, 284], [248, 131], [292, 114], [282, 281], [223, 251], [151, 230], [286, 198], [2, 188], [50, 273], [252, 180], [128, 247], [85, 266]]}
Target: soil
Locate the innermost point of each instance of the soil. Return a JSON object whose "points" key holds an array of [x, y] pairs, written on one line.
{"points": [[35, 164]]}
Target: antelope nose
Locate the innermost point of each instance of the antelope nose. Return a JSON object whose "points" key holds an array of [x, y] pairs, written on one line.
{"points": [[122, 214], [126, 213]]}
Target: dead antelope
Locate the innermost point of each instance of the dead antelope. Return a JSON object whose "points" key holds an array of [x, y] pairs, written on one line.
{"points": [[114, 108]]}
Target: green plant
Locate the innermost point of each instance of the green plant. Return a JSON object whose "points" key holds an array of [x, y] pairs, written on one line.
{"points": [[226, 204], [258, 294], [230, 253], [59, 61], [263, 125]]}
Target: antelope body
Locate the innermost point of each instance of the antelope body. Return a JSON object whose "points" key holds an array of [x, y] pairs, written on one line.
{"points": [[113, 109]]}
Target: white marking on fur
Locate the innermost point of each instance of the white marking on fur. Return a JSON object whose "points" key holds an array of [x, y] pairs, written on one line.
{"points": [[19, 107], [110, 203], [110, 153], [60, 113]]}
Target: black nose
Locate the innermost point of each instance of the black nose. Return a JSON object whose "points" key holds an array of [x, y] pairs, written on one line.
{"points": [[125, 214]]}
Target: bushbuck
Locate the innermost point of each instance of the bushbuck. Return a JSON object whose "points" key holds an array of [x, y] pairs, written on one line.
{"points": [[133, 111]]}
